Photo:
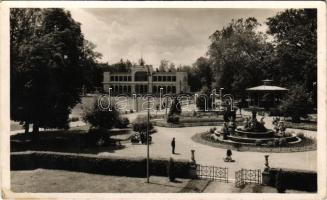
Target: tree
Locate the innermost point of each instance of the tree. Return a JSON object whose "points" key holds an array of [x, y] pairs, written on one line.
{"points": [[295, 33], [175, 108], [193, 79], [47, 51], [297, 103], [140, 125], [239, 54], [163, 67], [102, 117], [204, 100], [203, 71]]}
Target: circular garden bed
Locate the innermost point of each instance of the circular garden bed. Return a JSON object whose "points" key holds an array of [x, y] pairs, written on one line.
{"points": [[305, 144]]}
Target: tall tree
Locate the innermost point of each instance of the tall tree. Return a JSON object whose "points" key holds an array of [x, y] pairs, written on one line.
{"points": [[163, 67], [238, 53], [295, 33], [202, 69], [47, 51]]}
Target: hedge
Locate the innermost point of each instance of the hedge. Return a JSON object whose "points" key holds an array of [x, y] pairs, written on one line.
{"points": [[295, 179], [121, 166]]}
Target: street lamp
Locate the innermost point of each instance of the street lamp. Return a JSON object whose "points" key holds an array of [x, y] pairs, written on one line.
{"points": [[161, 89], [221, 97], [147, 131]]}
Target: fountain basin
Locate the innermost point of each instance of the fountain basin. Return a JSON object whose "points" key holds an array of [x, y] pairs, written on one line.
{"points": [[255, 134]]}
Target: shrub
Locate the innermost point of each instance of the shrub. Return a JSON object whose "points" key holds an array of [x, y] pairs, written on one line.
{"points": [[204, 100], [297, 103], [121, 166], [300, 135], [175, 108], [294, 179], [140, 125], [173, 119], [171, 172], [279, 184], [101, 118], [74, 119], [270, 144], [258, 142], [282, 141], [122, 123]]}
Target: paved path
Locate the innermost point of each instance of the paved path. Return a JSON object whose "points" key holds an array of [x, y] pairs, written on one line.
{"points": [[208, 155]]}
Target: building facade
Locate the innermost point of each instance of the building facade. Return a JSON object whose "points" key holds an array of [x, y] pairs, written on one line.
{"points": [[136, 81]]}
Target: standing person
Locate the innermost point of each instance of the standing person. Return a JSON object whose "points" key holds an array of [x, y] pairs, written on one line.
{"points": [[173, 143]]}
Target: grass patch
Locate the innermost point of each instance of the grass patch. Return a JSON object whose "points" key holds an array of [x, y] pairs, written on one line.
{"points": [[305, 125], [41, 180]]}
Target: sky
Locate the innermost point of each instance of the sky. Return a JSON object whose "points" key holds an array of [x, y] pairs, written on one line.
{"points": [[178, 35]]}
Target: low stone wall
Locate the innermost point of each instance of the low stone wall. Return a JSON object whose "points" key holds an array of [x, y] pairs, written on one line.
{"points": [[121, 166]]}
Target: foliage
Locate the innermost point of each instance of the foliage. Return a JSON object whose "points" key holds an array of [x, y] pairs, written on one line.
{"points": [[99, 117], [295, 33], [122, 123], [203, 71], [258, 142], [175, 108], [121, 66], [297, 103], [48, 54], [173, 119], [171, 170], [280, 186], [204, 100], [239, 55], [140, 125]]}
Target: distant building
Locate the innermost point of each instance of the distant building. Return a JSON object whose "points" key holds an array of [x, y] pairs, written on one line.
{"points": [[135, 81]]}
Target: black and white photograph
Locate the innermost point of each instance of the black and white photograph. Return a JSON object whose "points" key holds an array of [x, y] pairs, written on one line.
{"points": [[164, 98]]}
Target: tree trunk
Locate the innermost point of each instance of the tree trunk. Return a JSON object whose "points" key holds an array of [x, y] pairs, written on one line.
{"points": [[26, 127], [35, 128]]}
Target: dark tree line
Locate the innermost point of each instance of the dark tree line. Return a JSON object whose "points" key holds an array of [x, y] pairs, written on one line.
{"points": [[239, 56]]}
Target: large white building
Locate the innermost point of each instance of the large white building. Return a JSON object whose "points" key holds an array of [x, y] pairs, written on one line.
{"points": [[135, 81]]}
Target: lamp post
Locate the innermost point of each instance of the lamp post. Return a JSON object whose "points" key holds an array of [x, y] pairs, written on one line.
{"points": [[221, 97], [161, 89], [147, 132]]}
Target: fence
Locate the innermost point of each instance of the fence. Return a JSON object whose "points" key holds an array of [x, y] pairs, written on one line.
{"points": [[244, 176], [212, 173]]}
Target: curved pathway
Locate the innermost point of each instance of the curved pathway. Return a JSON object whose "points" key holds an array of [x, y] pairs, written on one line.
{"points": [[207, 155]]}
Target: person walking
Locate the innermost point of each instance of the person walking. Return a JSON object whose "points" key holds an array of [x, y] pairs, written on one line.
{"points": [[173, 143]]}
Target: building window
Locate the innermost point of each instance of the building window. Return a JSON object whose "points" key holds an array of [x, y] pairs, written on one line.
{"points": [[174, 89], [112, 78], [120, 78], [129, 78], [141, 76], [159, 78], [164, 78], [174, 78], [169, 78], [116, 78], [125, 78], [155, 78]]}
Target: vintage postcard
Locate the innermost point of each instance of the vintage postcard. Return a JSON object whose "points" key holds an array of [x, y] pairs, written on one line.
{"points": [[163, 100]]}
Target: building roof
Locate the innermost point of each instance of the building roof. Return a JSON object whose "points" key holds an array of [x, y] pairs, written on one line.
{"points": [[266, 88]]}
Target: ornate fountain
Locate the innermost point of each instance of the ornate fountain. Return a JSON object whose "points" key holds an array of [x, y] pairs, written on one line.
{"points": [[254, 132]]}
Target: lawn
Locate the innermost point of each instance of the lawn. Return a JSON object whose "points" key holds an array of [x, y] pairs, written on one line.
{"points": [[41, 180], [75, 140]]}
